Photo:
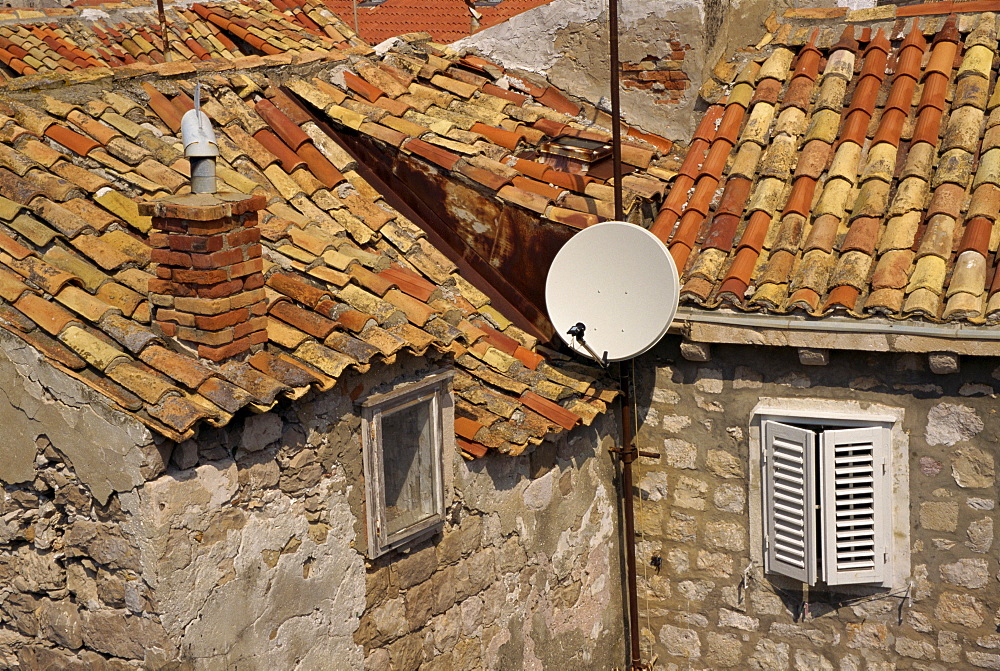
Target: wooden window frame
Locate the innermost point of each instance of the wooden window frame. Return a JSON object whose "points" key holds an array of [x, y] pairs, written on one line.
{"points": [[436, 389]]}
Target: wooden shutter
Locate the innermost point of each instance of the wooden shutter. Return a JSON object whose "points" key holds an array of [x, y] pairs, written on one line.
{"points": [[790, 501], [855, 503]]}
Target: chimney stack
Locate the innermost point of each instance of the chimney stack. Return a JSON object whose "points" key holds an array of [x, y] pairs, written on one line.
{"points": [[208, 293]]}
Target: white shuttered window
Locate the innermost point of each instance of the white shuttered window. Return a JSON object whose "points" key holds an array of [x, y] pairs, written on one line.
{"points": [[826, 503]]}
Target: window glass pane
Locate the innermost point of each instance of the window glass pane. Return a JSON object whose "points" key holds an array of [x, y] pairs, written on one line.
{"points": [[408, 464]]}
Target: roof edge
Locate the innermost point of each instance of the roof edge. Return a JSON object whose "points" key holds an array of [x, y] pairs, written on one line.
{"points": [[873, 335]]}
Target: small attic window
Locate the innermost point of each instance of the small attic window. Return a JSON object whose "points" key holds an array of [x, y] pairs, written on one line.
{"points": [[573, 154], [403, 441]]}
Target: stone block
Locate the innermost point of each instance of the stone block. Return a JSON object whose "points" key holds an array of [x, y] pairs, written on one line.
{"points": [[679, 453], [939, 515], [968, 573], [729, 498], [769, 656], [690, 493], [963, 609], [680, 642], [723, 650], [415, 567], [729, 618], [909, 647], [696, 351], [724, 464], [948, 424], [812, 356], [943, 363], [868, 635], [980, 535], [973, 468]]}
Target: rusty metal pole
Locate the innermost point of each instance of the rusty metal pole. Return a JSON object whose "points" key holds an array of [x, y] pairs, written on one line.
{"points": [[628, 451], [163, 30], [616, 111], [628, 454]]}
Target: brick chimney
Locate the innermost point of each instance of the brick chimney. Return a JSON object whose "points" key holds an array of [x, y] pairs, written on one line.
{"points": [[209, 288]]}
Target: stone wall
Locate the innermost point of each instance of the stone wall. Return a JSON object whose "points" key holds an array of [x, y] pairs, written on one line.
{"points": [[567, 41], [705, 602], [244, 548]]}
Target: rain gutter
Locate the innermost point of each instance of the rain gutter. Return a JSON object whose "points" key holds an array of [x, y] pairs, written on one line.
{"points": [[835, 332]]}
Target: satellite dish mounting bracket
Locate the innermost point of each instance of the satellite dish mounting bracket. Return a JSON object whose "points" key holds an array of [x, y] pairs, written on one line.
{"points": [[577, 330]]}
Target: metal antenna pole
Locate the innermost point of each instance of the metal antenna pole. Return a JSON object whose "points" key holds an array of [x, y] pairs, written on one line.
{"points": [[163, 30], [628, 451], [616, 111]]}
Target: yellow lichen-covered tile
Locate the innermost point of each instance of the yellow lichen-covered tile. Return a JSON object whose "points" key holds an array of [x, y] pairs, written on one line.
{"points": [[476, 297], [436, 124], [922, 301], [741, 94], [708, 264], [758, 124], [900, 231], [285, 185], [58, 256], [964, 129], [778, 158], [345, 116], [919, 161], [852, 270], [968, 275], [872, 199], [834, 198], [32, 229], [978, 60], [768, 196], [791, 121], [777, 64], [124, 208], [91, 348], [813, 271], [953, 167], [845, 162], [405, 126], [823, 126], [493, 315], [770, 295], [989, 168], [99, 251], [747, 158], [881, 163], [237, 181], [963, 306], [929, 273], [83, 303], [327, 360], [831, 94], [911, 194]]}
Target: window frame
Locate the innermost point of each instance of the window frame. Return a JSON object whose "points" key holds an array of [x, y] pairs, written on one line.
{"points": [[437, 389], [833, 415]]}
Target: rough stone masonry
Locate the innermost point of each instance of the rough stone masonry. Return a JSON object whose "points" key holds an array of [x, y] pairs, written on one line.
{"points": [[243, 548], [704, 599]]}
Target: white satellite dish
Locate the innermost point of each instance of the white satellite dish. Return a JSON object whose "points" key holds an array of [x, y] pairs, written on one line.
{"points": [[619, 281]]}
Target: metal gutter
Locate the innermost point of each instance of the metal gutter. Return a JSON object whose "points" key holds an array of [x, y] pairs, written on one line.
{"points": [[840, 325]]}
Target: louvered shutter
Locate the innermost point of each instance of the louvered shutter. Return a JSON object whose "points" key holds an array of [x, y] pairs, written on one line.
{"points": [[790, 501], [854, 496]]}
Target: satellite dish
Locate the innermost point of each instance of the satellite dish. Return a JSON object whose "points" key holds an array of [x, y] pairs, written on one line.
{"points": [[620, 283]]}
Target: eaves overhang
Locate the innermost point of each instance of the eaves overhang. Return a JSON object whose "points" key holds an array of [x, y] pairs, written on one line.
{"points": [[835, 333]]}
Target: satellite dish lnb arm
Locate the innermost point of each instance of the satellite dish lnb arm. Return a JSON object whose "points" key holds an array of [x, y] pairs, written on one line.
{"points": [[577, 330]]}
